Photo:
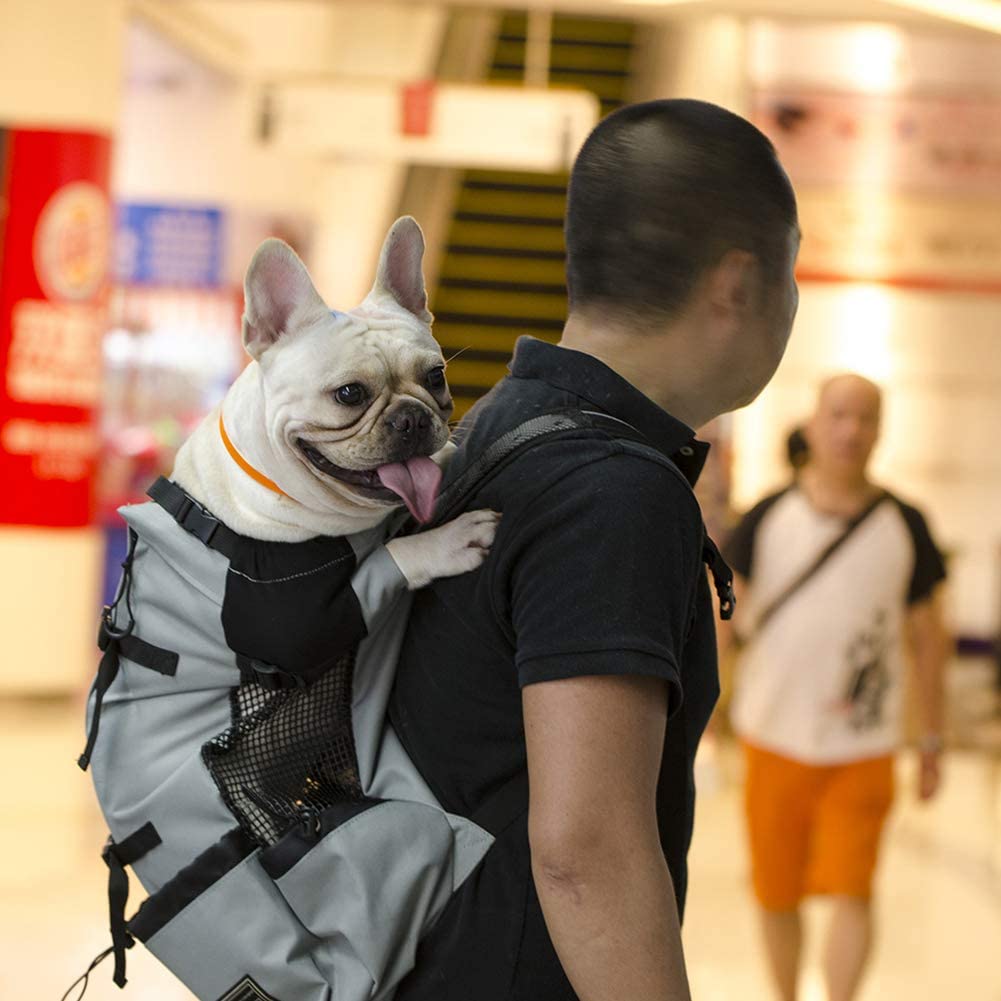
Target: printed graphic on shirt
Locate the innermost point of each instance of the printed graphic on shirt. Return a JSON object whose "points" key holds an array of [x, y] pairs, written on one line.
{"points": [[868, 678], [822, 681]]}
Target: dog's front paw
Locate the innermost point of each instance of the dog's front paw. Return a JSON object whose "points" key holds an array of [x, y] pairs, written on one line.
{"points": [[464, 543], [455, 548]]}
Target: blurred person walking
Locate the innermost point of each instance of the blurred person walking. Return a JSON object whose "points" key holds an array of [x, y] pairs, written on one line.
{"points": [[583, 650], [797, 450], [838, 577]]}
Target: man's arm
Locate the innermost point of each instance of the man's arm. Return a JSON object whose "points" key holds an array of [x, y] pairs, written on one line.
{"points": [[594, 752], [931, 646]]}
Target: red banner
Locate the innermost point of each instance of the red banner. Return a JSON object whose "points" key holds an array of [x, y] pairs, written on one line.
{"points": [[418, 103], [54, 253]]}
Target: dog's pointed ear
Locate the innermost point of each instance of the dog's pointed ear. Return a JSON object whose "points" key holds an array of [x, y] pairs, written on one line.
{"points": [[400, 277], [278, 296]]}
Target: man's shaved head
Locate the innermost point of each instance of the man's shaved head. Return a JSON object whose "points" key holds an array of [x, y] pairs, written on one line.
{"points": [[660, 192], [844, 428], [849, 385]]}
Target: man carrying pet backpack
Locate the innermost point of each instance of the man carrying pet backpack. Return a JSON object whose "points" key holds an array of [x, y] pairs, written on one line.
{"points": [[583, 650], [325, 836], [236, 728]]}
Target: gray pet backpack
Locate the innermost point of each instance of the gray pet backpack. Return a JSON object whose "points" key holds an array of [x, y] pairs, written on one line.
{"points": [[246, 766]]}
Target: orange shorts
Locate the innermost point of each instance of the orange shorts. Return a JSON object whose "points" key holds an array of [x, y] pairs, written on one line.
{"points": [[814, 829]]}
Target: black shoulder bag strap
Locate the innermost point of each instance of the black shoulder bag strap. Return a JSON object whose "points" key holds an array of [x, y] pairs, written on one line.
{"points": [[768, 613]]}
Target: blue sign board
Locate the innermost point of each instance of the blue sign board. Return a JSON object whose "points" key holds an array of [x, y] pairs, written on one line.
{"points": [[174, 245]]}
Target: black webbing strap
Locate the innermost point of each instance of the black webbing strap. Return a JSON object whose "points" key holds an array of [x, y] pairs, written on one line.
{"points": [[505, 806], [117, 856], [489, 462], [193, 518], [811, 571], [116, 642], [722, 577], [156, 658], [562, 423], [107, 671]]}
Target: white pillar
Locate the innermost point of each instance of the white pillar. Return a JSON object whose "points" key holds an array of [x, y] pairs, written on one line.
{"points": [[698, 57], [929, 336]]}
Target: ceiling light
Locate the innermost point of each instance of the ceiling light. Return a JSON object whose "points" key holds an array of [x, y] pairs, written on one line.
{"points": [[984, 14]]}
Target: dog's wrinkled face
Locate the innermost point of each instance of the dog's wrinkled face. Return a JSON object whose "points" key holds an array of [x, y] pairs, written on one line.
{"points": [[357, 400]]}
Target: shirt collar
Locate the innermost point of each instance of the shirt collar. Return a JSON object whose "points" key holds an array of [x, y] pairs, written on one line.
{"points": [[592, 380]]}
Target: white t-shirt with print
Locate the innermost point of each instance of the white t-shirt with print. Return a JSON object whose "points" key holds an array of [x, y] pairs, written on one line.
{"points": [[822, 680]]}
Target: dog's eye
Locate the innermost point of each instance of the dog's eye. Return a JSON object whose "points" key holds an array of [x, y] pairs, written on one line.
{"points": [[436, 379], [350, 395]]}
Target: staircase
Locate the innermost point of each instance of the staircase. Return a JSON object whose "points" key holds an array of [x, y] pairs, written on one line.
{"points": [[502, 273]]}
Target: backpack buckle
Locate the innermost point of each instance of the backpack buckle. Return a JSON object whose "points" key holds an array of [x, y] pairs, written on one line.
{"points": [[268, 676]]}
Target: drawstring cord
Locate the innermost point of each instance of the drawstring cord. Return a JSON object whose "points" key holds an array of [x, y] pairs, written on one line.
{"points": [[84, 977]]}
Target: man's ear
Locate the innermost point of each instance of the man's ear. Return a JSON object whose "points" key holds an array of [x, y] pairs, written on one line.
{"points": [[734, 283], [399, 277], [278, 296]]}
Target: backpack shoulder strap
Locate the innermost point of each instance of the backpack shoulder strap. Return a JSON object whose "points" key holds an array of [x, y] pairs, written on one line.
{"points": [[565, 424], [543, 427], [497, 455]]}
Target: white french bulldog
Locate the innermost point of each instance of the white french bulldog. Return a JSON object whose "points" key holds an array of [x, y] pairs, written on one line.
{"points": [[339, 419]]}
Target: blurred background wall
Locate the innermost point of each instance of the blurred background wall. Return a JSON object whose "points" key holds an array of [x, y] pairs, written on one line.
{"points": [[147, 146], [223, 121]]}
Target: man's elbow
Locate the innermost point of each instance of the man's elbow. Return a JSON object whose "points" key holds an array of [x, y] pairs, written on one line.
{"points": [[563, 864], [566, 862]]}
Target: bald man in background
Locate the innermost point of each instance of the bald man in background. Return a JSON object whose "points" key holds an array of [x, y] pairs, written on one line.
{"points": [[838, 580]]}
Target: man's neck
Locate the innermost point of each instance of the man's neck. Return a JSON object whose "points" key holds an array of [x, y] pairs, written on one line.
{"points": [[842, 495], [639, 357]]}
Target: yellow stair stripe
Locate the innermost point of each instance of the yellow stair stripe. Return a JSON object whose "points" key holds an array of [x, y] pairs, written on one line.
{"points": [[460, 338]]}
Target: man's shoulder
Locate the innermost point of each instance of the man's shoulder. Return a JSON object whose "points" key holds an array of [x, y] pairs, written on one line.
{"points": [[911, 513], [756, 513], [597, 469], [769, 508], [741, 541], [558, 461]]}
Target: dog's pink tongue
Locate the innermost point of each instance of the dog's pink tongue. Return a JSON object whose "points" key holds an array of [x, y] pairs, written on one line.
{"points": [[416, 481]]}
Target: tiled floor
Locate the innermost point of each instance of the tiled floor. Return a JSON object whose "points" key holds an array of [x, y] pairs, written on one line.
{"points": [[939, 905]]}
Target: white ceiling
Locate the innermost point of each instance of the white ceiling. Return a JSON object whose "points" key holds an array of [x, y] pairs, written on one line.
{"points": [[175, 43], [940, 13]]}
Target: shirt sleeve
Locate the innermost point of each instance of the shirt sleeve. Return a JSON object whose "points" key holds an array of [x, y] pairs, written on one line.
{"points": [[739, 549], [293, 606], [929, 564], [602, 574]]}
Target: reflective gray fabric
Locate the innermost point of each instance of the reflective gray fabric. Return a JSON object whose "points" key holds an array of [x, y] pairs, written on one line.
{"points": [[241, 926], [146, 763], [392, 852], [367, 890]]}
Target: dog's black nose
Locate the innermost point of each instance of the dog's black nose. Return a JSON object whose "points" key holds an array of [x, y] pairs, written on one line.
{"points": [[408, 421]]}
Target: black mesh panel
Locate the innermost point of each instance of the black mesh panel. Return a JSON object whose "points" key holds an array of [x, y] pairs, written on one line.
{"points": [[289, 752]]}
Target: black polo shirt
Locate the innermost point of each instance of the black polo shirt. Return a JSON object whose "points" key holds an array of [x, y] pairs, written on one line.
{"points": [[596, 569]]}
